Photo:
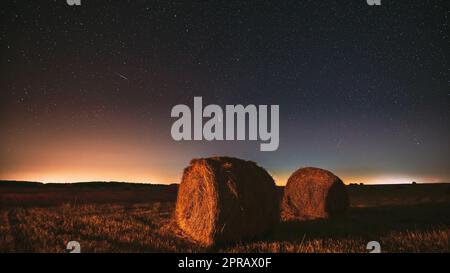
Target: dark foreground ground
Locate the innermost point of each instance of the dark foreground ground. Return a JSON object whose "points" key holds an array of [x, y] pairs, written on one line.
{"points": [[123, 217]]}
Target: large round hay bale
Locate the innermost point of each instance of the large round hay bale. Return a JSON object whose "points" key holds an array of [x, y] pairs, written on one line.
{"points": [[223, 199], [313, 193]]}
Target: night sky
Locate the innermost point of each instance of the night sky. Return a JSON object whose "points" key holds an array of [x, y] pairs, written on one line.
{"points": [[86, 92]]}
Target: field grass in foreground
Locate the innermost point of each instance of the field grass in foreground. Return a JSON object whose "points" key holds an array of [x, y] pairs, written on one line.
{"points": [[149, 227]]}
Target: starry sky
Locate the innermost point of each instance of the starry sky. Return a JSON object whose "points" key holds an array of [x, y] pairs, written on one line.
{"points": [[86, 91]]}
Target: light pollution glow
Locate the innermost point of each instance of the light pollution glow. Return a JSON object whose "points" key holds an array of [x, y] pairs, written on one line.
{"points": [[128, 156], [69, 174], [135, 154]]}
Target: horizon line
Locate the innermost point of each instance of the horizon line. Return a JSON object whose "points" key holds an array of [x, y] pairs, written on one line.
{"points": [[177, 183]]}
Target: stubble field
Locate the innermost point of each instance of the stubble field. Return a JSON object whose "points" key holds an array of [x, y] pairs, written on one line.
{"points": [[135, 218]]}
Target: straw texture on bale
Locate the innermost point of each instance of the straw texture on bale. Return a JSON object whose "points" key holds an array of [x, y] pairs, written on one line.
{"points": [[223, 199], [313, 193]]}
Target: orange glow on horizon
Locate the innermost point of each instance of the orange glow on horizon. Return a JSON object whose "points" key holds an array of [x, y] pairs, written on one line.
{"points": [[79, 175], [126, 156]]}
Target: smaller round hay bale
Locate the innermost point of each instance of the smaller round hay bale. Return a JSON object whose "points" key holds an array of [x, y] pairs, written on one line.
{"points": [[223, 199], [313, 193]]}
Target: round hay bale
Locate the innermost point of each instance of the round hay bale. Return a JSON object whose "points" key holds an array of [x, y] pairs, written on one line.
{"points": [[313, 193], [223, 199]]}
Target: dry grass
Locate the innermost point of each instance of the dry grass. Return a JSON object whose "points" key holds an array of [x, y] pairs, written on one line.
{"points": [[150, 228], [402, 219], [409, 241], [99, 228]]}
